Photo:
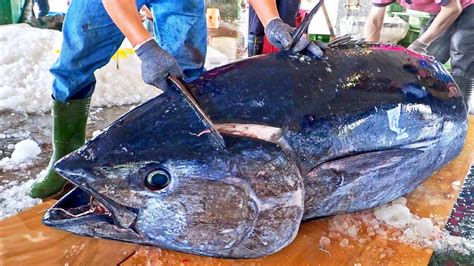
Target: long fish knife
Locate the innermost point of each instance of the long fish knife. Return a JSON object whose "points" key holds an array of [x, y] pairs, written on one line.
{"points": [[195, 105], [303, 27]]}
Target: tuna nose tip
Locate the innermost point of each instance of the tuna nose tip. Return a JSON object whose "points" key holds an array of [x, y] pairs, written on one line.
{"points": [[70, 165], [61, 168]]}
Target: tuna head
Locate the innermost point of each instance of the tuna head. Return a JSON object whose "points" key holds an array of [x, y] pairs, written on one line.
{"points": [[160, 176]]}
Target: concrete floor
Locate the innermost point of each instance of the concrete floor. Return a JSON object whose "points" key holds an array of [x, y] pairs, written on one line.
{"points": [[20, 126]]}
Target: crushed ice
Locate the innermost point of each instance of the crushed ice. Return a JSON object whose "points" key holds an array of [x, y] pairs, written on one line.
{"points": [[25, 83], [395, 222], [14, 198], [24, 152]]}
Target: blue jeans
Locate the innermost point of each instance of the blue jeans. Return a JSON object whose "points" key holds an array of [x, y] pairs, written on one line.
{"points": [[91, 39]]}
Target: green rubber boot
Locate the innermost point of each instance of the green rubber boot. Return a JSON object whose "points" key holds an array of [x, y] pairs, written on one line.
{"points": [[69, 132]]}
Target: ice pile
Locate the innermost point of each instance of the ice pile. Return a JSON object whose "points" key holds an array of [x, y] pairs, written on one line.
{"points": [[413, 229], [27, 53], [24, 153], [14, 198], [395, 222], [25, 150], [25, 81], [392, 221], [459, 245]]}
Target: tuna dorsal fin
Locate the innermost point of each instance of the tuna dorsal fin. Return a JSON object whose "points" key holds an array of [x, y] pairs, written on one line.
{"points": [[346, 41]]}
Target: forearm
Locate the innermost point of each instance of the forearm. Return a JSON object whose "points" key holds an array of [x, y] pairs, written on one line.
{"points": [[125, 15], [443, 20], [373, 26], [265, 9]]}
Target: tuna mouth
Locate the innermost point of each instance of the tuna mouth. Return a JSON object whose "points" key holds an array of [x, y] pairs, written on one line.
{"points": [[85, 202], [82, 212], [77, 204]]}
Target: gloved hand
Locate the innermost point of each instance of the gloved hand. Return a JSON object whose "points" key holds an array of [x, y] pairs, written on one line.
{"points": [[157, 64], [279, 35], [418, 47]]}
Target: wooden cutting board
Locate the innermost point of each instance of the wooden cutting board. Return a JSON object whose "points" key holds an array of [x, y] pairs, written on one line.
{"points": [[25, 241]]}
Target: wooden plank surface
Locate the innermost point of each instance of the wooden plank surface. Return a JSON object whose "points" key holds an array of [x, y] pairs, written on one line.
{"points": [[25, 241]]}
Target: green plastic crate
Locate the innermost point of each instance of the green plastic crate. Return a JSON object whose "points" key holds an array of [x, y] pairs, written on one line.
{"points": [[320, 37], [403, 15], [447, 65], [424, 20], [395, 8], [411, 36], [11, 11], [418, 21]]}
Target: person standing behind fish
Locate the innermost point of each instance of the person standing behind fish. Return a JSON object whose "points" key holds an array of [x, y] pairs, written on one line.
{"points": [[94, 30], [287, 9], [279, 33], [449, 33]]}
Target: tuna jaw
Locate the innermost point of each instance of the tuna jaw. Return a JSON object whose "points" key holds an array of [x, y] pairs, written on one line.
{"points": [[81, 213]]}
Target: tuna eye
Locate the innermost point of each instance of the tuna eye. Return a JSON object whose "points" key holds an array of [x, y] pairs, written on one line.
{"points": [[158, 179]]}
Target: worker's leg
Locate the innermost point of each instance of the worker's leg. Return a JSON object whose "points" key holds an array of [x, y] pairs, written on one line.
{"points": [[43, 6], [256, 33], [462, 53], [90, 40], [180, 29], [288, 10]]}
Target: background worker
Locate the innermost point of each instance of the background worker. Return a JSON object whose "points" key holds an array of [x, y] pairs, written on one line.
{"points": [[94, 30], [279, 32], [449, 34], [287, 11]]}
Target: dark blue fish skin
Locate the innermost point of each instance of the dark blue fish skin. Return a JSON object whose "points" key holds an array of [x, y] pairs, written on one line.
{"points": [[334, 112], [364, 126], [220, 202]]}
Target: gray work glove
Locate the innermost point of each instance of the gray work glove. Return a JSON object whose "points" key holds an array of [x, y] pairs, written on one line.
{"points": [[279, 35], [157, 64], [418, 47]]}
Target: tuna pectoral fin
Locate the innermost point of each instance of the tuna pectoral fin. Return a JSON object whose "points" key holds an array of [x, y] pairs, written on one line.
{"points": [[366, 180]]}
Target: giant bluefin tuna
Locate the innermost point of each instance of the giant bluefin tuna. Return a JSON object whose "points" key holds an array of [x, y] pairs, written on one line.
{"points": [[302, 138]]}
